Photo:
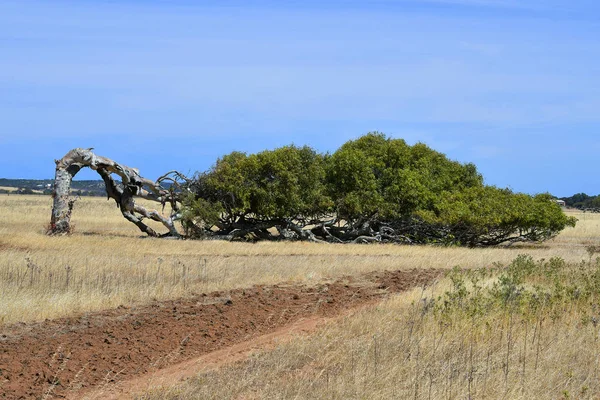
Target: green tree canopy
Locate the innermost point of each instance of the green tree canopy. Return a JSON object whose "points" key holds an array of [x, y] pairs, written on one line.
{"points": [[487, 215], [282, 184], [378, 175], [373, 188]]}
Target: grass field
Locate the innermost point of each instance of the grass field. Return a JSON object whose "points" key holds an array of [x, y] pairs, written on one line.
{"points": [[525, 329], [107, 262], [403, 348], [398, 350]]}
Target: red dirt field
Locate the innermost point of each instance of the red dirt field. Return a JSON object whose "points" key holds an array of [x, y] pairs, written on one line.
{"points": [[71, 357]]}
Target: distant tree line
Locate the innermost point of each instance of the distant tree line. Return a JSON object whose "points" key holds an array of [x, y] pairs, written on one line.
{"points": [[373, 189], [44, 187], [582, 201]]}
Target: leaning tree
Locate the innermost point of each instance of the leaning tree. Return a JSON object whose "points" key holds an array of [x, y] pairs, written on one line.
{"points": [[166, 189], [372, 189]]}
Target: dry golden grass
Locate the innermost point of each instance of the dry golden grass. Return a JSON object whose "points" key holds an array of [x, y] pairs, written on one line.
{"points": [[393, 350], [586, 231], [106, 262], [397, 351]]}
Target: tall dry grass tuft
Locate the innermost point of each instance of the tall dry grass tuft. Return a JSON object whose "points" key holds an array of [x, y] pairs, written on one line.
{"points": [[106, 262]]}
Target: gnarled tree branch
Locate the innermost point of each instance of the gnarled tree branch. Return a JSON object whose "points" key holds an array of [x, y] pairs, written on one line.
{"points": [[133, 185]]}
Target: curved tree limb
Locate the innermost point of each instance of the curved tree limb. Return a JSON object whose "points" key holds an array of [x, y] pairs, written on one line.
{"points": [[133, 185]]}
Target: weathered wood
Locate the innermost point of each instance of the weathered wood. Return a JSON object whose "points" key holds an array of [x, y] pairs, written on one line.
{"points": [[133, 185]]}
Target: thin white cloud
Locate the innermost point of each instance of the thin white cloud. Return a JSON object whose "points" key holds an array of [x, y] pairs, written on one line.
{"points": [[506, 4]]}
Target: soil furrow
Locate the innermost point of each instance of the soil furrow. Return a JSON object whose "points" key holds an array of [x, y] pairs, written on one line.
{"points": [[62, 357]]}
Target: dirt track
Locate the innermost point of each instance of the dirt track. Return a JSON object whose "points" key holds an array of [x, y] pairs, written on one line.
{"points": [[73, 356]]}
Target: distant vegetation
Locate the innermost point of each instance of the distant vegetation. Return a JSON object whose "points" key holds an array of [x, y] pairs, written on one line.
{"points": [[582, 201], [44, 186]]}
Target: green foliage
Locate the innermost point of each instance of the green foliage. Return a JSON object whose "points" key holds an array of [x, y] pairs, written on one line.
{"points": [[487, 215], [525, 287], [199, 213], [582, 200], [287, 182], [378, 175], [371, 189]]}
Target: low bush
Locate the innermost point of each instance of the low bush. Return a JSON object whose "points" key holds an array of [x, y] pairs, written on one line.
{"points": [[373, 189]]}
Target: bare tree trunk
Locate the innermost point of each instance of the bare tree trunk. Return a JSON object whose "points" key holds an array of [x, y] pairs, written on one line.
{"points": [[132, 186], [62, 205]]}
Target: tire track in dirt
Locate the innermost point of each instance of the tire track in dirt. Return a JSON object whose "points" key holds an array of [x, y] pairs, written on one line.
{"points": [[71, 356]]}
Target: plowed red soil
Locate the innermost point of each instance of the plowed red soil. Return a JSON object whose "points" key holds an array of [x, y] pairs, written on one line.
{"points": [[71, 356]]}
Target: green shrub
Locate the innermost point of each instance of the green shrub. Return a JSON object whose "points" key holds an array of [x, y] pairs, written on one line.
{"points": [[373, 189]]}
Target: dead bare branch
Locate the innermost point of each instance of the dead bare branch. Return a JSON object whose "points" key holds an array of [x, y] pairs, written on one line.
{"points": [[132, 185]]}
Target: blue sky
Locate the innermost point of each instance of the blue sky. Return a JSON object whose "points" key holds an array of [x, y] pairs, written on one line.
{"points": [[511, 85]]}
